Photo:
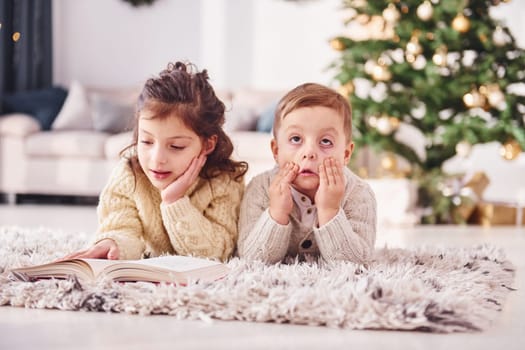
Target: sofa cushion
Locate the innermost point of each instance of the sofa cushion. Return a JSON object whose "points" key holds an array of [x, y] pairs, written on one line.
{"points": [[42, 104], [111, 115], [18, 124], [265, 121], [116, 143], [75, 113], [81, 143]]}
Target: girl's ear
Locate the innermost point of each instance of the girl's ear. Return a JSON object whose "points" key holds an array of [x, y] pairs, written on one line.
{"points": [[275, 148], [209, 145]]}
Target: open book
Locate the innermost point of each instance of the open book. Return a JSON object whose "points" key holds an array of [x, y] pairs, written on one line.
{"points": [[170, 269]]}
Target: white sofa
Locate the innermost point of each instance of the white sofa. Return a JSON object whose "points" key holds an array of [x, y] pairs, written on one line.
{"points": [[78, 162], [75, 159]]}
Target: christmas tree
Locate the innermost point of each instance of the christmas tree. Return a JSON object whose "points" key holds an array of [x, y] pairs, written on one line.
{"points": [[444, 68]]}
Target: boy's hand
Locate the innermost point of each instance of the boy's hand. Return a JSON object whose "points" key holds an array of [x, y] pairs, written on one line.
{"points": [[331, 190], [281, 202], [105, 249], [177, 188]]}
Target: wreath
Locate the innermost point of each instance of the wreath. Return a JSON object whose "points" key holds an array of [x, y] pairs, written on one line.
{"points": [[137, 3]]}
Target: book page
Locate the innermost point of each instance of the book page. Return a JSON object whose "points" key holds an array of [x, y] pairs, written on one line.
{"points": [[175, 262]]}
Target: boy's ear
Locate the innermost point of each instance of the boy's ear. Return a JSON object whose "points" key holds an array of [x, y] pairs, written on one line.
{"points": [[209, 145], [275, 148], [349, 149]]}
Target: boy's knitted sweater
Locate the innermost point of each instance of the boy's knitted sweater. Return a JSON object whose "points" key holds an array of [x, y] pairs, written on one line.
{"points": [[350, 235], [202, 223]]}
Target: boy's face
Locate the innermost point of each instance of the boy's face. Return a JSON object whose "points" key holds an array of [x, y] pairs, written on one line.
{"points": [[306, 137], [165, 148]]}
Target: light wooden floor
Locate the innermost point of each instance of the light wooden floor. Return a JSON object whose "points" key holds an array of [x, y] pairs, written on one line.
{"points": [[49, 329]]}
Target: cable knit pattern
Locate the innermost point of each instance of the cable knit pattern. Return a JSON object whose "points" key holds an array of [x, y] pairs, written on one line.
{"points": [[202, 223], [350, 235]]}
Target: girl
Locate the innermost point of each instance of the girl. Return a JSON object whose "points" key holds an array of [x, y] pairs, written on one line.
{"points": [[176, 190]]}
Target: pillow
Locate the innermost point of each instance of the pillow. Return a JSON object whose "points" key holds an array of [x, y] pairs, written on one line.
{"points": [[110, 115], [43, 104], [75, 113], [240, 119], [265, 121]]}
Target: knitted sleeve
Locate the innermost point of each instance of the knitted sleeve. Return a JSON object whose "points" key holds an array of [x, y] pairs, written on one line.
{"points": [[117, 214], [209, 229], [350, 235], [261, 237]]}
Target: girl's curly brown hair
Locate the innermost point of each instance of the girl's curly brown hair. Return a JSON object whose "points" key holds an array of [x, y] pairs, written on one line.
{"points": [[182, 90]]}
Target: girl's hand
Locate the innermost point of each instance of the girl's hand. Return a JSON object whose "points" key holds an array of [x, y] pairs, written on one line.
{"points": [[177, 188], [105, 249], [281, 202], [331, 190]]}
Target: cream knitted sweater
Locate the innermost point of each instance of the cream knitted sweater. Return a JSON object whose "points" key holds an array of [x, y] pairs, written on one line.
{"points": [[350, 235], [202, 223]]}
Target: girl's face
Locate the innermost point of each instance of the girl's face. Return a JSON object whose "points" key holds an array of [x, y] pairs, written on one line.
{"points": [[306, 137], [165, 148]]}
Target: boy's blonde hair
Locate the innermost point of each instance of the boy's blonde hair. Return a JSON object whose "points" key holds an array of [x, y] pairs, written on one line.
{"points": [[313, 95]]}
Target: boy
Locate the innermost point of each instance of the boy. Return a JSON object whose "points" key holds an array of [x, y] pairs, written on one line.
{"points": [[310, 203]]}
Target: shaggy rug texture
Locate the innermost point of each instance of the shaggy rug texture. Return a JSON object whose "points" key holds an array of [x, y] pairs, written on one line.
{"points": [[425, 289]]}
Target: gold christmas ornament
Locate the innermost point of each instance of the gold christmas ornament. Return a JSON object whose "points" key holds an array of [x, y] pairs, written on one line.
{"points": [[425, 11], [461, 23], [347, 89], [413, 46], [389, 162], [381, 73], [510, 150], [463, 149], [391, 14], [337, 44], [410, 58], [474, 99], [440, 56], [16, 36], [495, 96]]}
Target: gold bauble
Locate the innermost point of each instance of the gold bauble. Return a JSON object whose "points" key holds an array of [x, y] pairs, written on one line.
{"points": [[510, 150], [337, 44], [440, 56], [461, 23], [413, 46], [381, 73], [389, 162], [495, 96], [474, 99], [16, 36], [347, 89]]}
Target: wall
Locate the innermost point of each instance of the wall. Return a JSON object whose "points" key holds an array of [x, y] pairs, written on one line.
{"points": [[271, 44]]}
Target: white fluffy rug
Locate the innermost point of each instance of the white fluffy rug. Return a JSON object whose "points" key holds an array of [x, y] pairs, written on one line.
{"points": [[428, 289]]}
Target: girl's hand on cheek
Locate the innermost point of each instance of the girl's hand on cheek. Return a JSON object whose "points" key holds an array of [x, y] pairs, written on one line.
{"points": [[178, 188], [331, 190], [281, 202]]}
